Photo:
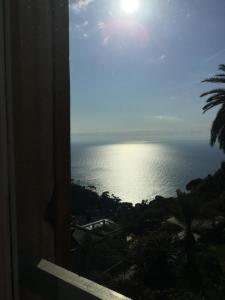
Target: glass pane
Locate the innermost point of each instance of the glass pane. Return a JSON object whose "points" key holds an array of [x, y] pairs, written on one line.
{"points": [[144, 222]]}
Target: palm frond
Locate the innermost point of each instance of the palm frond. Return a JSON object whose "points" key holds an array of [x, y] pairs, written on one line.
{"points": [[213, 92], [222, 67], [215, 80], [221, 138], [220, 75], [218, 125], [216, 97], [211, 105]]}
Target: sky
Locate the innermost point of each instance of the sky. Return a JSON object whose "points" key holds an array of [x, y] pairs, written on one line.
{"points": [[136, 66]]}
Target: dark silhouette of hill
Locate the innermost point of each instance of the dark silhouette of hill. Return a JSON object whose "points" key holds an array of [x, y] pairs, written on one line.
{"points": [[164, 253]]}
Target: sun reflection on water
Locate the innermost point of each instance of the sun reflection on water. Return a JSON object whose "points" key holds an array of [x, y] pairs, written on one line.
{"points": [[127, 164], [137, 171]]}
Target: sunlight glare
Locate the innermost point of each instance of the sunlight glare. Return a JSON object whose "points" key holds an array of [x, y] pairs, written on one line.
{"points": [[130, 6]]}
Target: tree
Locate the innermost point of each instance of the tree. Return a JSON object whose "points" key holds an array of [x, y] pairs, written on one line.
{"points": [[187, 211], [217, 97], [153, 256]]}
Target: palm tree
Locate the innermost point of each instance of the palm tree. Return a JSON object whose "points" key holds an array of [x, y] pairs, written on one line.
{"points": [[185, 213], [217, 97]]}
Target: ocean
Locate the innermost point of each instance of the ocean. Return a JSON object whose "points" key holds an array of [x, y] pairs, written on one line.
{"points": [[136, 171]]}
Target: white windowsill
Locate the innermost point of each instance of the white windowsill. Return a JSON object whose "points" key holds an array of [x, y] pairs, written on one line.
{"points": [[80, 283]]}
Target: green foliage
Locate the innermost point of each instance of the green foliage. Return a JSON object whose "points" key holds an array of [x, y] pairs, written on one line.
{"points": [[172, 294], [153, 255], [210, 270], [219, 251], [87, 203]]}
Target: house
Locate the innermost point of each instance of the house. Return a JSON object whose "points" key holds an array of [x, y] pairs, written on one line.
{"points": [[98, 230]]}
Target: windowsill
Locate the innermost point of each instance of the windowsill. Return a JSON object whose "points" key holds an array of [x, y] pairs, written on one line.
{"points": [[85, 286]]}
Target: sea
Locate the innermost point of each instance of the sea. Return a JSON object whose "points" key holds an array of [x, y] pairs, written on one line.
{"points": [[140, 170]]}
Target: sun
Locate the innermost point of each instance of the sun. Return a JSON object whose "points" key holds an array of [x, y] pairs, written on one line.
{"points": [[130, 6]]}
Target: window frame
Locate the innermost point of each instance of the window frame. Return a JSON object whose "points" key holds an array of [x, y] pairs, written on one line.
{"points": [[8, 249]]}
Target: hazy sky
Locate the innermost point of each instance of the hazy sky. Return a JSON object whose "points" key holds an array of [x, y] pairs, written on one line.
{"points": [[138, 69]]}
